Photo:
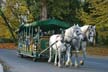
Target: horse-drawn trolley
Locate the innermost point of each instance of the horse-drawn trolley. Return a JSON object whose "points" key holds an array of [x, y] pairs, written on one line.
{"points": [[33, 37]]}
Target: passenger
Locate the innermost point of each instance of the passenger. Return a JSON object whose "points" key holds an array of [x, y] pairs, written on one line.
{"points": [[31, 44], [49, 33], [36, 30], [41, 32], [53, 32], [27, 42], [45, 34], [20, 42]]}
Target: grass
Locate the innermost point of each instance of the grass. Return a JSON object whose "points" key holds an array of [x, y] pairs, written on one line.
{"points": [[8, 45], [98, 50]]}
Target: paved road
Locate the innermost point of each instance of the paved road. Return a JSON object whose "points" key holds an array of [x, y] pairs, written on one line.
{"points": [[17, 64]]}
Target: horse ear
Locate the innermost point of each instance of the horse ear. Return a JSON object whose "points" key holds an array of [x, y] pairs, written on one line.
{"points": [[89, 27], [94, 27], [77, 25]]}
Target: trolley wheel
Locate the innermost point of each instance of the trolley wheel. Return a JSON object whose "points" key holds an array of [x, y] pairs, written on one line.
{"points": [[21, 55], [34, 59]]}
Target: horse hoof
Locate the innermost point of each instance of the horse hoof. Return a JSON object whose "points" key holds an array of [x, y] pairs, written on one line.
{"points": [[72, 65], [66, 65], [49, 61], [76, 66], [55, 64], [81, 63], [59, 66]]}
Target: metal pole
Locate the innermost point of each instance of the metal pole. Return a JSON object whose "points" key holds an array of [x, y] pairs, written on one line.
{"points": [[32, 31], [29, 38], [26, 31], [29, 30], [38, 33], [26, 37]]}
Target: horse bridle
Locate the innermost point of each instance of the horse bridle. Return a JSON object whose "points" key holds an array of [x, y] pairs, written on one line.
{"points": [[71, 38], [88, 36]]}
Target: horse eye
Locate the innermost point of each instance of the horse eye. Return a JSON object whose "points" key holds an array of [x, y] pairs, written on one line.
{"points": [[90, 33], [77, 31]]}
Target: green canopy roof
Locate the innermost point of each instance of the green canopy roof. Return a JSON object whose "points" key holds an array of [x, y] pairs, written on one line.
{"points": [[53, 22], [47, 24]]}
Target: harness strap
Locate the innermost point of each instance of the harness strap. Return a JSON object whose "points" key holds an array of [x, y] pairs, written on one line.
{"points": [[47, 48]]}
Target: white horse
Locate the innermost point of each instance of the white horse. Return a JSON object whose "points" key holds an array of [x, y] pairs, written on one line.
{"points": [[58, 46], [73, 37], [89, 33]]}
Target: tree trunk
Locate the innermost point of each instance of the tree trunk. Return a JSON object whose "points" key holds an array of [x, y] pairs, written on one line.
{"points": [[43, 15], [7, 24]]}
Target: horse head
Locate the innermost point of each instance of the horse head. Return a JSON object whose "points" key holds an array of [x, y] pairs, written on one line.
{"points": [[91, 33], [77, 33]]}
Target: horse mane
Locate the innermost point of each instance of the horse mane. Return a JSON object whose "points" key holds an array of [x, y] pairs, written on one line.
{"points": [[84, 28], [70, 30]]}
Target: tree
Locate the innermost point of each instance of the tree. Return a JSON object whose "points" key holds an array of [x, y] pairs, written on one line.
{"points": [[59, 9], [13, 13], [7, 24], [94, 12], [4, 32]]}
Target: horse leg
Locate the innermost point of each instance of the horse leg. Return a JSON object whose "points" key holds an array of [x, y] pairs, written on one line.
{"points": [[59, 59], [50, 54], [84, 53], [55, 61], [68, 56], [63, 59], [76, 59]]}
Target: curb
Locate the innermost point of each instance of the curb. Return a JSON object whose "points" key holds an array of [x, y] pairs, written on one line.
{"points": [[1, 68]]}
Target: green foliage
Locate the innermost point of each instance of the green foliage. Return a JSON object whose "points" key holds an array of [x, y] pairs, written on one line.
{"points": [[71, 11], [96, 12], [6, 40], [34, 7], [60, 9], [63, 9], [12, 14]]}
